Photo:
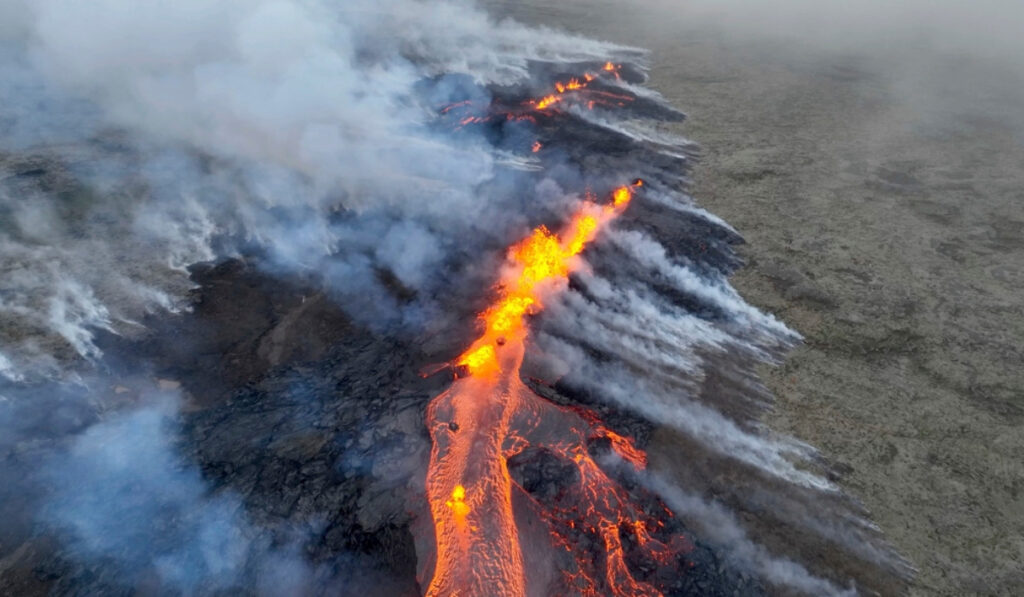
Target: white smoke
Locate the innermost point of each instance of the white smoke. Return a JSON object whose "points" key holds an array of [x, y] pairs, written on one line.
{"points": [[720, 527], [159, 128], [648, 253], [122, 493], [7, 369], [656, 350], [670, 406], [647, 339], [322, 89]]}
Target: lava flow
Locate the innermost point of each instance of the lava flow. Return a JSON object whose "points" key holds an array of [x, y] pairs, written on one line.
{"points": [[575, 90], [577, 86], [489, 416]]}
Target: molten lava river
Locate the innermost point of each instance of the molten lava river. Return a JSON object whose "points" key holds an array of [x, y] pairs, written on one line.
{"points": [[489, 415]]}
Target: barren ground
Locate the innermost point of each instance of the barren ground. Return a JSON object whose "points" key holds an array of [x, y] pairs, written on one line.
{"points": [[883, 206]]}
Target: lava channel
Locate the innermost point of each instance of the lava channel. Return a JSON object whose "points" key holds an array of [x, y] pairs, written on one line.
{"points": [[489, 415]]}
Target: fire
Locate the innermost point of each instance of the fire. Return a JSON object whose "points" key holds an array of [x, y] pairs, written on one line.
{"points": [[481, 360], [489, 415], [539, 258], [548, 101], [577, 85], [458, 505], [537, 146], [572, 85], [622, 195], [577, 89]]}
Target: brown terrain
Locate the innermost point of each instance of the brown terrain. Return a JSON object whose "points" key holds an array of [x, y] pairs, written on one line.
{"points": [[882, 201]]}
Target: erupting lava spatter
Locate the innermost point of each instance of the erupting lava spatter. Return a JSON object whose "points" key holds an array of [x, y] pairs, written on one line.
{"points": [[489, 415]]}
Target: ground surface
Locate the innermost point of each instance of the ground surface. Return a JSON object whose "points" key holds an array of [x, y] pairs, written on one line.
{"points": [[883, 205]]}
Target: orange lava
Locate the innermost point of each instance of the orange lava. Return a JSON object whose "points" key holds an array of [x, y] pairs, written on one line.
{"points": [[590, 97], [489, 415], [547, 101], [576, 89]]}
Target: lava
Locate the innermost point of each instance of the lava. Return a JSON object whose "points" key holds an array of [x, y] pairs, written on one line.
{"points": [[575, 90], [590, 97], [547, 101], [489, 416]]}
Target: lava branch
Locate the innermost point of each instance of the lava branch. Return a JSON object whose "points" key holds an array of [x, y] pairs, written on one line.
{"points": [[579, 85], [489, 416], [576, 89]]}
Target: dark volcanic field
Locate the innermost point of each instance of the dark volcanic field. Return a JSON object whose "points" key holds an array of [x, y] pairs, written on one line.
{"points": [[882, 221], [315, 421]]}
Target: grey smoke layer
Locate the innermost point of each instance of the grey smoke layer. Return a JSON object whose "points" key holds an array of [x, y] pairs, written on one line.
{"points": [[122, 493], [197, 130]]}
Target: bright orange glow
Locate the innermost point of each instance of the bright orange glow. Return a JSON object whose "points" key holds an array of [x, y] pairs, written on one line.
{"points": [[575, 90], [590, 98], [614, 69], [506, 317], [539, 258], [584, 230], [537, 146], [458, 505], [548, 101], [490, 415], [483, 360], [622, 195]]}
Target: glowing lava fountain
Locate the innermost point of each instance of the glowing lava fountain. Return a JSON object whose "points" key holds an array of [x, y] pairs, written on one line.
{"points": [[489, 415]]}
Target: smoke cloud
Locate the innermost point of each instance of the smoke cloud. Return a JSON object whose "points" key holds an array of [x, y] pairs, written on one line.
{"points": [[140, 138], [122, 493], [721, 527]]}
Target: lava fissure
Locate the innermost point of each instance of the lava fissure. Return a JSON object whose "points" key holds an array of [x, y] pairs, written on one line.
{"points": [[589, 91], [489, 416]]}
